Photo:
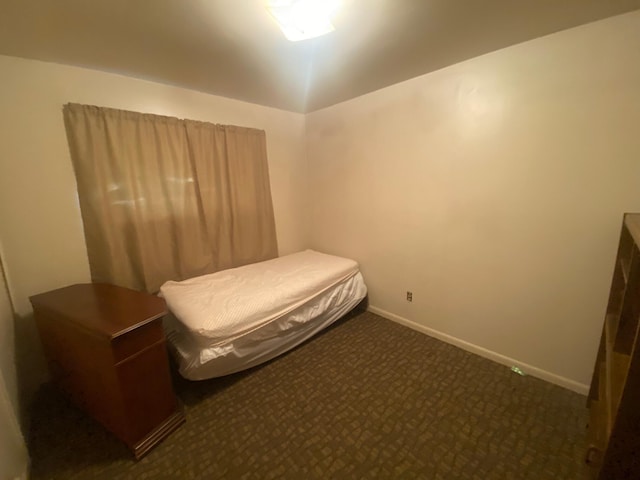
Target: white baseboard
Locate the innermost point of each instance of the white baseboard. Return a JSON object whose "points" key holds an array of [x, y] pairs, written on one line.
{"points": [[578, 387]]}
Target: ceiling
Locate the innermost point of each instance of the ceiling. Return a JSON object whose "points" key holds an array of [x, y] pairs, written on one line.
{"points": [[233, 48]]}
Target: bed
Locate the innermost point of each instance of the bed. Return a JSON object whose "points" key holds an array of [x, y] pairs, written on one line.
{"points": [[235, 319]]}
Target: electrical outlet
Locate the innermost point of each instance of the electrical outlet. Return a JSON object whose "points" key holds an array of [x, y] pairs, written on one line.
{"points": [[409, 296]]}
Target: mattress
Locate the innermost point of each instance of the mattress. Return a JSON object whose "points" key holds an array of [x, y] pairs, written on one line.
{"points": [[235, 319]]}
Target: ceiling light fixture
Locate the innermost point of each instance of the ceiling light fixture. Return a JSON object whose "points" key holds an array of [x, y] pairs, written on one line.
{"points": [[303, 19]]}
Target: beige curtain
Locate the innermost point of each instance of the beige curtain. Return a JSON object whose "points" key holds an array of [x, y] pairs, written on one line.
{"points": [[168, 199]]}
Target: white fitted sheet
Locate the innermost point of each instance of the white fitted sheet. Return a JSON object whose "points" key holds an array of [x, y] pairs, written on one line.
{"points": [[216, 326]]}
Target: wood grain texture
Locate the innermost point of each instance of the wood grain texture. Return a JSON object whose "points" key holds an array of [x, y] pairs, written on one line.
{"points": [[614, 427], [106, 351], [103, 309]]}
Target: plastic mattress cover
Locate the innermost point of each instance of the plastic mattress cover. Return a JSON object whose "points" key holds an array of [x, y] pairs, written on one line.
{"points": [[198, 361], [226, 305]]}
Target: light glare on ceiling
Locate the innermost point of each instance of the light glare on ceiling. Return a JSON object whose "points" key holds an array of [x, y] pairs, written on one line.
{"points": [[303, 19]]}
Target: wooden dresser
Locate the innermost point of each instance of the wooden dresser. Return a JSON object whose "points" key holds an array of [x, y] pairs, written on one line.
{"points": [[614, 397], [106, 350]]}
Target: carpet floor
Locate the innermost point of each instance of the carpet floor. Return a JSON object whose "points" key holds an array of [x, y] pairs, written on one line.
{"points": [[367, 398]]}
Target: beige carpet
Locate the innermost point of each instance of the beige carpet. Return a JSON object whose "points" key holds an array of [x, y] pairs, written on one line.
{"points": [[366, 399]]}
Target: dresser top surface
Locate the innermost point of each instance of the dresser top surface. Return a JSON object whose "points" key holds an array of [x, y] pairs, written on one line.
{"points": [[632, 221], [104, 309]]}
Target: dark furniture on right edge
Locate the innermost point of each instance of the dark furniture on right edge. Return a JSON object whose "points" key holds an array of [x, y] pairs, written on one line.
{"points": [[614, 397]]}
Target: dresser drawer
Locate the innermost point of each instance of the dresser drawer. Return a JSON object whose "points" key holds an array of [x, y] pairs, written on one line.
{"points": [[124, 346], [106, 350]]}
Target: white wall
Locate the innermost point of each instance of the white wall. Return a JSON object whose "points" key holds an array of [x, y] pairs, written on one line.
{"points": [[494, 190], [13, 459], [13, 453], [40, 223], [7, 346]]}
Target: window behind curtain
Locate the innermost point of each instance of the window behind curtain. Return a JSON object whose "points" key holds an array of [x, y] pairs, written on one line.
{"points": [[168, 199]]}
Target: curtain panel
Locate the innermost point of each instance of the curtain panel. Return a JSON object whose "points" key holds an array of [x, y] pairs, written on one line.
{"points": [[168, 199]]}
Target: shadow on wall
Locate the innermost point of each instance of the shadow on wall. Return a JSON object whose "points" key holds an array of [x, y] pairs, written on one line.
{"points": [[31, 366]]}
